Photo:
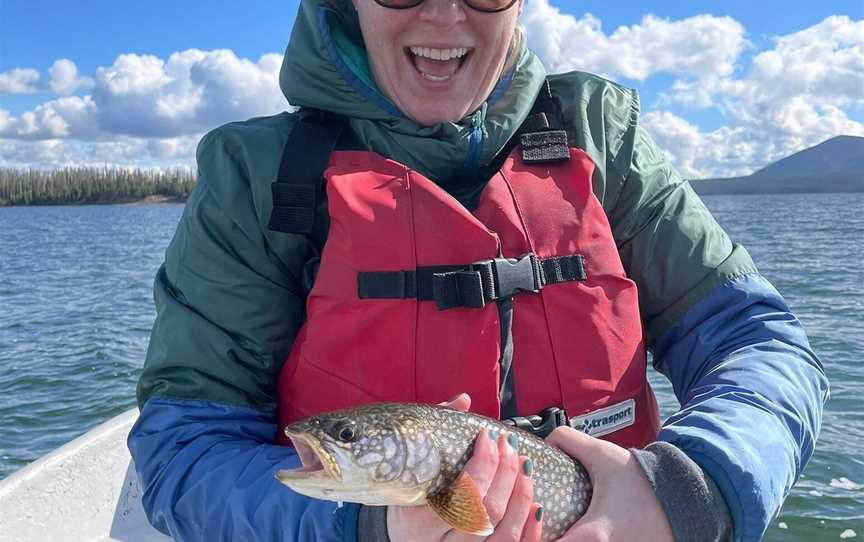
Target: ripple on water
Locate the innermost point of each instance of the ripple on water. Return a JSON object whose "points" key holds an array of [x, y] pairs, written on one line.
{"points": [[75, 318]]}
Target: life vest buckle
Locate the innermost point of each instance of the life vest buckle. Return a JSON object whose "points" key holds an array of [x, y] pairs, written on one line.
{"points": [[541, 425], [483, 282], [511, 275]]}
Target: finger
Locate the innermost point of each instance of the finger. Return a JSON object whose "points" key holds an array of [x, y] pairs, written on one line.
{"points": [[505, 478], [482, 468], [484, 462], [461, 402], [533, 529], [510, 528]]}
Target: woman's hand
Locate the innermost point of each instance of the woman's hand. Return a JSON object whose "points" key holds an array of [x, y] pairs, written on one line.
{"points": [[623, 506], [508, 494]]}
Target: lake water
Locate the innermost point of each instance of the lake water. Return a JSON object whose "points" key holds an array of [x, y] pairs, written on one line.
{"points": [[76, 311]]}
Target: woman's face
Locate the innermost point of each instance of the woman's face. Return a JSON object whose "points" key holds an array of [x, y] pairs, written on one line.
{"points": [[437, 62]]}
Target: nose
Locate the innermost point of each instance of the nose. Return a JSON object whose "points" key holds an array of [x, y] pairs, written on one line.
{"points": [[443, 12]]}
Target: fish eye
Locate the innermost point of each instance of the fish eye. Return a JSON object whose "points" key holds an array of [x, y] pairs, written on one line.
{"points": [[345, 432]]}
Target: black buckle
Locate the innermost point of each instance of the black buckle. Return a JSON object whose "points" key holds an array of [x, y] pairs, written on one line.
{"points": [[488, 280], [540, 425], [512, 276]]}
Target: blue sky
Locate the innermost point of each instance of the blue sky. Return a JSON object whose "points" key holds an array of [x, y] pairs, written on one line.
{"points": [[33, 35]]}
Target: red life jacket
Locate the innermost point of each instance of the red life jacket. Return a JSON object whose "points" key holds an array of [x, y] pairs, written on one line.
{"points": [[576, 344]]}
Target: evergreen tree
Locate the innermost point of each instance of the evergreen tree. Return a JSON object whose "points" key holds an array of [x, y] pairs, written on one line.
{"points": [[83, 185]]}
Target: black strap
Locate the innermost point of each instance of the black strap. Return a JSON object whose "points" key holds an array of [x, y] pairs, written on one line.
{"points": [[415, 284], [506, 371], [304, 158], [563, 269], [542, 134], [474, 285]]}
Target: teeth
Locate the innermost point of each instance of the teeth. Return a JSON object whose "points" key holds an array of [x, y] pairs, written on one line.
{"points": [[435, 77], [439, 54]]}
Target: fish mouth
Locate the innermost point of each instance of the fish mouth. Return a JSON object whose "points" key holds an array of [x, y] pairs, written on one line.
{"points": [[316, 462]]}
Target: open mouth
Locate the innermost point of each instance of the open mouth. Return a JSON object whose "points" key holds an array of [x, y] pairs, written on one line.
{"points": [[316, 462], [438, 65]]}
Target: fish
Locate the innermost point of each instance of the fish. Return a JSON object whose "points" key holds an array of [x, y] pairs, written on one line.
{"points": [[407, 454]]}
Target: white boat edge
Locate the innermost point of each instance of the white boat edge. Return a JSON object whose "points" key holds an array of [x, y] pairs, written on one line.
{"points": [[85, 490]]}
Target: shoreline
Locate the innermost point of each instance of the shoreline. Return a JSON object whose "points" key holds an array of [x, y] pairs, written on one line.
{"points": [[146, 200], [165, 200]]}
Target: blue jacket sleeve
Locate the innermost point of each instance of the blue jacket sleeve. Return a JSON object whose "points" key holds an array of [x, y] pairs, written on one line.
{"points": [[206, 471], [751, 393]]}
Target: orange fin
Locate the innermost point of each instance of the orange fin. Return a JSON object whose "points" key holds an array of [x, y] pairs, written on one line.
{"points": [[460, 505]]}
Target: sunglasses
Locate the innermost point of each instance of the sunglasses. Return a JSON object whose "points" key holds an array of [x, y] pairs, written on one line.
{"points": [[488, 6]]}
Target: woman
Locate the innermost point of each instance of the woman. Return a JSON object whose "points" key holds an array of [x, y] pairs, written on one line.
{"points": [[446, 146]]}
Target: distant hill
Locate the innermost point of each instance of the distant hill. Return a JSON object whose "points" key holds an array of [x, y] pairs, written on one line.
{"points": [[835, 165]]}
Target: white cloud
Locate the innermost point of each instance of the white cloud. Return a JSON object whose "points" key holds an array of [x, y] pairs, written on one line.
{"points": [[5, 120], [725, 152], [143, 110], [825, 60], [19, 81], [49, 153], [138, 151], [144, 96], [175, 148], [64, 78], [120, 151], [697, 46], [133, 75], [740, 149], [823, 63], [189, 93], [71, 116], [797, 94]]}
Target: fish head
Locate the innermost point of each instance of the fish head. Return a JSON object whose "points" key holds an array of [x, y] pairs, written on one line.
{"points": [[374, 455]]}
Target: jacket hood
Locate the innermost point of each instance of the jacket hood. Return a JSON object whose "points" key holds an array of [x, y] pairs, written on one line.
{"points": [[326, 67]]}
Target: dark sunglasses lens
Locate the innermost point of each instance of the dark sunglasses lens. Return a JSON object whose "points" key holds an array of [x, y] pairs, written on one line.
{"points": [[480, 5], [490, 5], [399, 4]]}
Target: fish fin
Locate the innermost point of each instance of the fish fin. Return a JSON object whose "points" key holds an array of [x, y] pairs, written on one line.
{"points": [[460, 505]]}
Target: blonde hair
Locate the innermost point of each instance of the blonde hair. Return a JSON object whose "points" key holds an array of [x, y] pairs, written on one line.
{"points": [[515, 48]]}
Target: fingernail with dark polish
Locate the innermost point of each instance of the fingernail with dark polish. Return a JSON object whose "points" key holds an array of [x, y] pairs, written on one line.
{"points": [[528, 467], [539, 513], [512, 440], [493, 434]]}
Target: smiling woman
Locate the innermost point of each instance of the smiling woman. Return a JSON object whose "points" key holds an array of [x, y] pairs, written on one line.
{"points": [[407, 50], [448, 218]]}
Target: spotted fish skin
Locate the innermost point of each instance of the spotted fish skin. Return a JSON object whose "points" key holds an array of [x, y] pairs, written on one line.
{"points": [[561, 484], [404, 453]]}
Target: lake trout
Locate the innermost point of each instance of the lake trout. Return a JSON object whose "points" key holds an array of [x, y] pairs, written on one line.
{"points": [[400, 454]]}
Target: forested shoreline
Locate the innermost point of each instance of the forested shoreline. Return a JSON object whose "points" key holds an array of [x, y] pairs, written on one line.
{"points": [[91, 185]]}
